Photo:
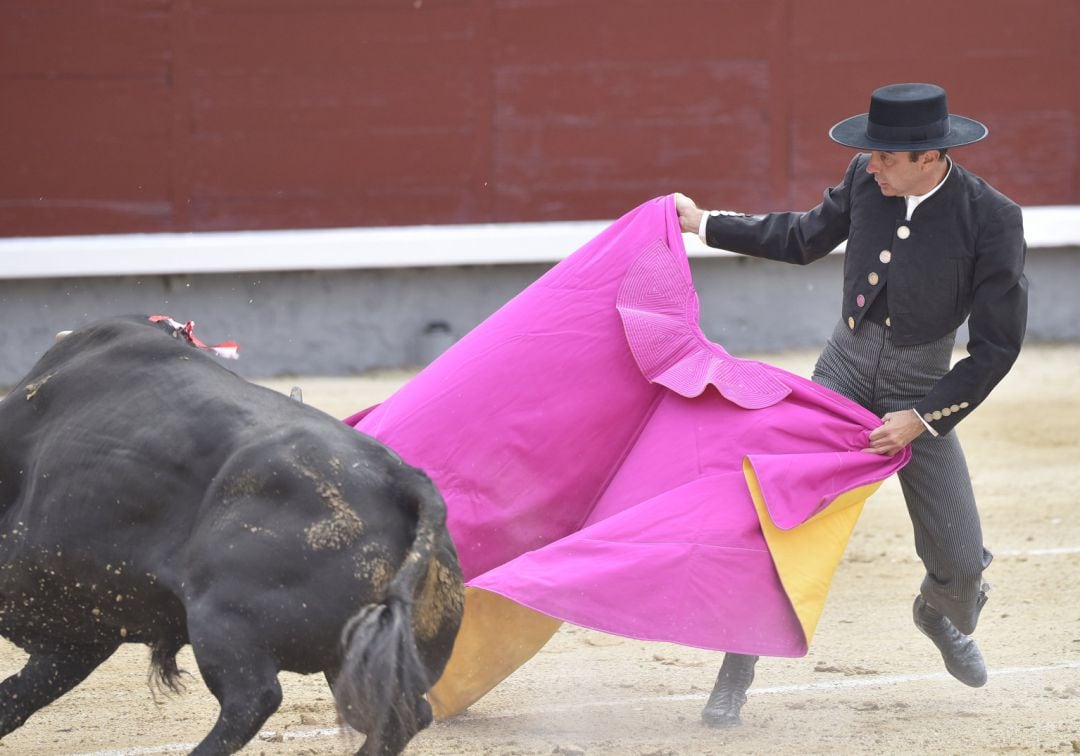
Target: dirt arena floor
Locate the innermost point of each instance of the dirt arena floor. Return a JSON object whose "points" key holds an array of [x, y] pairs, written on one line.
{"points": [[870, 684]]}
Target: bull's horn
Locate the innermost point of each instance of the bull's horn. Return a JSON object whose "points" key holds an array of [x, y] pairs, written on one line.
{"points": [[61, 336]]}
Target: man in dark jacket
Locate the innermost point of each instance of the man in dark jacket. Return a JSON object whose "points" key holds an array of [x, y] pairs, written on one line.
{"points": [[929, 245]]}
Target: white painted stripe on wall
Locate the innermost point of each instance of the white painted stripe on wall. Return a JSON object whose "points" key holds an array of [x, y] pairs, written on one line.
{"points": [[363, 248], [318, 249]]}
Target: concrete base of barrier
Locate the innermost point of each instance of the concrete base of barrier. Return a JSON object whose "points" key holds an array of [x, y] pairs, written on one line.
{"points": [[340, 322]]}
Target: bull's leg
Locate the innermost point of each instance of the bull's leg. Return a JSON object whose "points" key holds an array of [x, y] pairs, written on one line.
{"points": [[243, 678], [45, 678]]}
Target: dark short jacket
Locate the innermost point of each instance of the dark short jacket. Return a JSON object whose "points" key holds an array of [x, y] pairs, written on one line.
{"points": [[962, 254]]}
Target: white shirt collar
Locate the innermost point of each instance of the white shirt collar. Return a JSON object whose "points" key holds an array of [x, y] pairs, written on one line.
{"points": [[914, 201]]}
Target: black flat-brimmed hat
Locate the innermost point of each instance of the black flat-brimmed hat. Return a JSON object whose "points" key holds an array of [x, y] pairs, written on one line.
{"points": [[907, 117]]}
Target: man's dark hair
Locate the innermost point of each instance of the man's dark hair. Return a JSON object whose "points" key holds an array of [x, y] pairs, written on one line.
{"points": [[914, 156]]}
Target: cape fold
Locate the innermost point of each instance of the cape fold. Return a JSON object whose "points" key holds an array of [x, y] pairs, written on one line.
{"points": [[606, 464]]}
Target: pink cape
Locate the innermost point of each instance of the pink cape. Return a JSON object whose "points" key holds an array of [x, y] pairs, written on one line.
{"points": [[600, 457]]}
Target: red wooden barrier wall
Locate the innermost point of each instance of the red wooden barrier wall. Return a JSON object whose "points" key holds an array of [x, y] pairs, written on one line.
{"points": [[188, 115]]}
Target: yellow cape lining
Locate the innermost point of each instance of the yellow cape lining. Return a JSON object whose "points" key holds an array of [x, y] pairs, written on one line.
{"points": [[806, 557], [498, 635]]}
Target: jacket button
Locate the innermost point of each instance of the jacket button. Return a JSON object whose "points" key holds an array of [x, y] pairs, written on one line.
{"points": [[860, 300], [885, 256], [851, 323], [872, 278], [888, 322], [903, 232]]}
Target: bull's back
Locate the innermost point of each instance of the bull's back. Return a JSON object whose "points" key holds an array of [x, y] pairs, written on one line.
{"points": [[117, 424], [104, 457], [146, 466]]}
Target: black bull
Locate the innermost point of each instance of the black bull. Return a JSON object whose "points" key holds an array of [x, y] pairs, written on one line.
{"points": [[149, 495]]}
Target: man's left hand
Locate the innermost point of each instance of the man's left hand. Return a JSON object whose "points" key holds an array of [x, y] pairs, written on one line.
{"points": [[897, 430]]}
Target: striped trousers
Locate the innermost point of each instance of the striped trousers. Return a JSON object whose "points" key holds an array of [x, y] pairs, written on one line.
{"points": [[868, 368]]}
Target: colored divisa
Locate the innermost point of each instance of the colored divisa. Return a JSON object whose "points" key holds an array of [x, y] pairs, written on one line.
{"points": [[606, 464]]}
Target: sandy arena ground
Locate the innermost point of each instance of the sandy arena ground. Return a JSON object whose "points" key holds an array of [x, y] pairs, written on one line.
{"points": [[870, 684]]}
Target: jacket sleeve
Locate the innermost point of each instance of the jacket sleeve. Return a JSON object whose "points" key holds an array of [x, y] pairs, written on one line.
{"points": [[996, 323], [797, 238]]}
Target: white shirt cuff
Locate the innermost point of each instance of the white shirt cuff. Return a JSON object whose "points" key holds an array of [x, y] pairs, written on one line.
{"points": [[923, 421], [701, 226]]}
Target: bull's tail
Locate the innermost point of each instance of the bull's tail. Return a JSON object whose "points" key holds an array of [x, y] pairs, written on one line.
{"points": [[382, 682], [165, 674], [381, 685]]}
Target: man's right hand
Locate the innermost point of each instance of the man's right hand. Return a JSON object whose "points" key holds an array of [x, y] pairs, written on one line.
{"points": [[689, 214]]}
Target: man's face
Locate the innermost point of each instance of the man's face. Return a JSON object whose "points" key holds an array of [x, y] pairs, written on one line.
{"points": [[898, 176]]}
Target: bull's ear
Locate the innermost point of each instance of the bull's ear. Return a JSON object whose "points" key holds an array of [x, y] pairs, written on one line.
{"points": [[297, 394]]}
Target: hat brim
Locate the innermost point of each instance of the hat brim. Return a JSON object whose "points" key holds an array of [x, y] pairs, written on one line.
{"points": [[851, 132]]}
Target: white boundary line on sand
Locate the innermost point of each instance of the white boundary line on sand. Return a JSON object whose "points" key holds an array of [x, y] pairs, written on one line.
{"points": [[868, 681], [1039, 552]]}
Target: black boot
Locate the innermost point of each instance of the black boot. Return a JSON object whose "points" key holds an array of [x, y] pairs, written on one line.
{"points": [[962, 657], [729, 693]]}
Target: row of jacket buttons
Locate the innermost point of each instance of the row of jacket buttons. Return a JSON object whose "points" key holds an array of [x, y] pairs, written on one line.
{"points": [[944, 412], [886, 257], [873, 278]]}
